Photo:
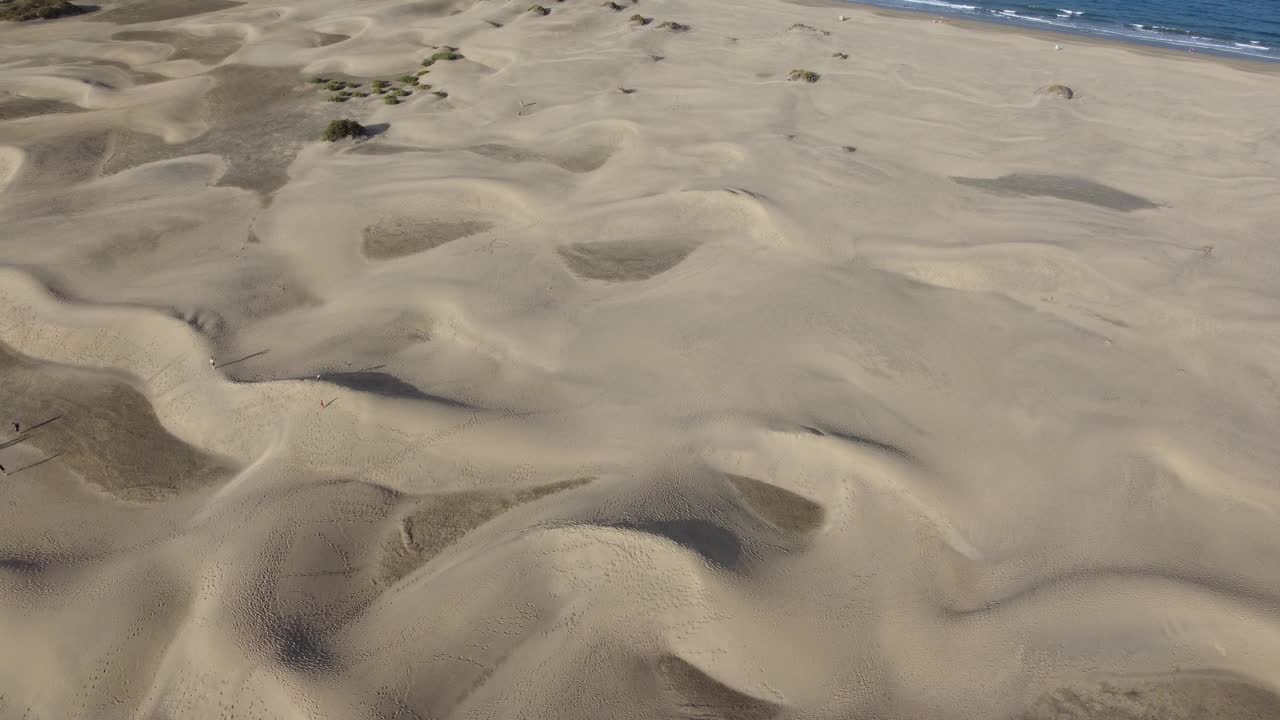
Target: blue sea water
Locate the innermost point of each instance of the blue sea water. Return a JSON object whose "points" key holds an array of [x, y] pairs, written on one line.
{"points": [[1234, 27]]}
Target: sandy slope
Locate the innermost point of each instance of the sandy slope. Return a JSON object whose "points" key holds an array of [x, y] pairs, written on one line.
{"points": [[911, 393]]}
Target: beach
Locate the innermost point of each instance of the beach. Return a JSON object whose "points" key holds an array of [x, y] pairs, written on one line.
{"points": [[666, 359]]}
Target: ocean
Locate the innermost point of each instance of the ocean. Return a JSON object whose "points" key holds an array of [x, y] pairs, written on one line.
{"points": [[1232, 27]]}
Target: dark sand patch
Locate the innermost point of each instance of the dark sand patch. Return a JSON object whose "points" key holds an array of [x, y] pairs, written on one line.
{"points": [[694, 694], [1062, 187], [55, 164], [205, 50], [1190, 697], [780, 508], [623, 261], [23, 107], [258, 117], [437, 521], [392, 239], [99, 427], [146, 11], [584, 161]]}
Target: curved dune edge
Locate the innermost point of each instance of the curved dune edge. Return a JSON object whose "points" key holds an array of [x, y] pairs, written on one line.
{"points": [[192, 401]]}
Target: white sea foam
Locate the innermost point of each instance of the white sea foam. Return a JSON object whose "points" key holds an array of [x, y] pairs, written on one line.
{"points": [[940, 3]]}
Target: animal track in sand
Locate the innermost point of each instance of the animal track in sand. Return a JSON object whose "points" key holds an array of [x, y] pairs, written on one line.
{"points": [[435, 522], [1184, 697], [624, 260], [399, 237], [1062, 187], [103, 429]]}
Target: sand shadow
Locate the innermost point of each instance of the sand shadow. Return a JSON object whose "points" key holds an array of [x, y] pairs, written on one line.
{"points": [[623, 261], [712, 542], [388, 385], [35, 464], [698, 695], [1062, 187], [399, 238], [781, 508], [20, 439], [866, 442], [246, 357]]}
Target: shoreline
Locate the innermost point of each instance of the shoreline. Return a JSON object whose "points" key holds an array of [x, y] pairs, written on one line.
{"points": [[1249, 64]]}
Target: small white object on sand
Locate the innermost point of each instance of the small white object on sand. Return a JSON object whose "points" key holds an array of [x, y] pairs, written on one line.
{"points": [[211, 362], [1057, 47], [843, 18]]}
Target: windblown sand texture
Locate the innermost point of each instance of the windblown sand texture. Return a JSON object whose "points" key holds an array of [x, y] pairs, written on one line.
{"points": [[628, 378]]}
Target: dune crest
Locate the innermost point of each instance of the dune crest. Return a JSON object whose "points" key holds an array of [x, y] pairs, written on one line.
{"points": [[631, 360]]}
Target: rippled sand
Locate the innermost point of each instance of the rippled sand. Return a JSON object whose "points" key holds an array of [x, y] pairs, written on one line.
{"points": [[627, 378]]}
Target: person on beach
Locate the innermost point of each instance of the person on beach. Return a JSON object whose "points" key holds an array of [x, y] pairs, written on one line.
{"points": [[17, 427]]}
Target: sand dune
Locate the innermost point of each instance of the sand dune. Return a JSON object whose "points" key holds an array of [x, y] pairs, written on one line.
{"points": [[614, 374]]}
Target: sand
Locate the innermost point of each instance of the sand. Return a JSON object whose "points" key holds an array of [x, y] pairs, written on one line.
{"points": [[627, 378]]}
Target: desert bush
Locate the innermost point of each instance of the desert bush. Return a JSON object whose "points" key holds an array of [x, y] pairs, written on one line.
{"points": [[808, 76], [673, 26], [24, 10], [344, 128], [639, 19], [612, 5], [1061, 91], [539, 10]]}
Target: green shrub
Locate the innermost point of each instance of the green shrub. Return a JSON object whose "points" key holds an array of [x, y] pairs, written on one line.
{"points": [[639, 19], [539, 10], [408, 78], [319, 80], [339, 129], [440, 93], [612, 6], [445, 55], [391, 100], [673, 26], [808, 76], [339, 98]]}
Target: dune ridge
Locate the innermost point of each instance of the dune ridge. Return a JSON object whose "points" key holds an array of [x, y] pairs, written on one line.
{"points": [[732, 361]]}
